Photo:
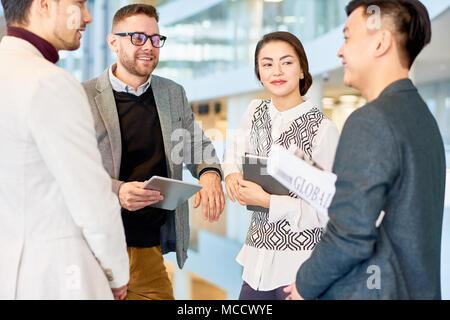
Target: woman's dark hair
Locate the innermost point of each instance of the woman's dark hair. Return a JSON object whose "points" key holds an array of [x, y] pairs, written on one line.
{"points": [[411, 20], [289, 38]]}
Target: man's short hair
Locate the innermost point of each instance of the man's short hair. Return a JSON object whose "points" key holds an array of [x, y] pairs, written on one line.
{"points": [[16, 11], [135, 9], [411, 22]]}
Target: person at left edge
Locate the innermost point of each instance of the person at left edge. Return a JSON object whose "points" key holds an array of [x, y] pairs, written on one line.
{"points": [[61, 236], [139, 117]]}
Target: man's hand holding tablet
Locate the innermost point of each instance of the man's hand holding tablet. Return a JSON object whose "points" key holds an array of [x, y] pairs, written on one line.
{"points": [[133, 196], [173, 192]]}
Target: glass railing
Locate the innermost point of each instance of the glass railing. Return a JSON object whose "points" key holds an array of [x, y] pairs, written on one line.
{"points": [[224, 37], [437, 97], [447, 155]]}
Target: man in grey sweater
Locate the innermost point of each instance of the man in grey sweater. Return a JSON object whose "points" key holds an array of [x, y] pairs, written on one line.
{"points": [[383, 239]]}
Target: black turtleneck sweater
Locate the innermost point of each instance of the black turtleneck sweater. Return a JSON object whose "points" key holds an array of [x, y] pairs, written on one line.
{"points": [[143, 156]]}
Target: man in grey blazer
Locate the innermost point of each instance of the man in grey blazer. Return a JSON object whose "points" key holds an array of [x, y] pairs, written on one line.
{"points": [[383, 239], [146, 127]]}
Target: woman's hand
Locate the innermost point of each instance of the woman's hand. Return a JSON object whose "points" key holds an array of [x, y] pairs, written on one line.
{"points": [[232, 185], [252, 194]]}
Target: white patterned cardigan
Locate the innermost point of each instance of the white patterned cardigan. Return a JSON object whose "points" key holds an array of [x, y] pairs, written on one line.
{"points": [[300, 134], [280, 240]]}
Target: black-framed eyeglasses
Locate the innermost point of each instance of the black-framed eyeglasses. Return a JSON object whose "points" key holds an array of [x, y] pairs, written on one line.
{"points": [[139, 38]]}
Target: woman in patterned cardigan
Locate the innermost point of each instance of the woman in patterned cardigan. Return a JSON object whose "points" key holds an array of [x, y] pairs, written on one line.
{"points": [[279, 240]]}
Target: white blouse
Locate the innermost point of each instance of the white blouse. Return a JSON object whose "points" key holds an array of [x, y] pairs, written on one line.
{"points": [[280, 241]]}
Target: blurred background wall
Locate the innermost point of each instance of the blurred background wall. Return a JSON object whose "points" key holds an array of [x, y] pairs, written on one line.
{"points": [[209, 51]]}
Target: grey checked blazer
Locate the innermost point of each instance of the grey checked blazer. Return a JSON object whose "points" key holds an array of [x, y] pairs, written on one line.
{"points": [[390, 158], [174, 113]]}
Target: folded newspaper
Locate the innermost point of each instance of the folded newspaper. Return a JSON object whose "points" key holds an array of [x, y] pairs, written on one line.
{"points": [[303, 177]]}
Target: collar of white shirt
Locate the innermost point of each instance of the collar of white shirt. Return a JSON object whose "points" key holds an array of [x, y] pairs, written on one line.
{"points": [[121, 86]]}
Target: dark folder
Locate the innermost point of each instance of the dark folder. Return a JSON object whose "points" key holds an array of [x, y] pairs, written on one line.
{"points": [[255, 170]]}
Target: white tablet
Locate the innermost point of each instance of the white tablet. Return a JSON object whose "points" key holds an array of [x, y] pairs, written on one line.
{"points": [[175, 192]]}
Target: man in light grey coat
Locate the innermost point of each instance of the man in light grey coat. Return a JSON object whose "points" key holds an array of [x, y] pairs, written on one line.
{"points": [[145, 127]]}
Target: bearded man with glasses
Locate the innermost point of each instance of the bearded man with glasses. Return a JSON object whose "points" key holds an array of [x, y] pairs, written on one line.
{"points": [[136, 113]]}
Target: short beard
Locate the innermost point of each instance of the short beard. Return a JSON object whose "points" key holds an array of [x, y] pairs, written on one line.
{"points": [[71, 46], [130, 66]]}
